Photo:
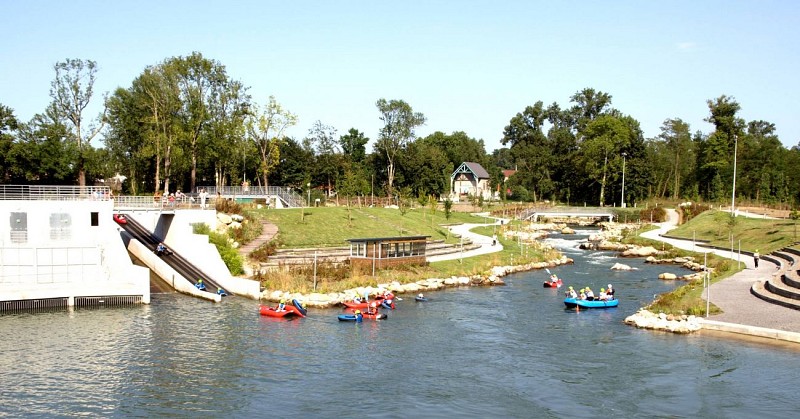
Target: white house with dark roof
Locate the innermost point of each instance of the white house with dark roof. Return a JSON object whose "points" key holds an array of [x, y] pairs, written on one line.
{"points": [[470, 179]]}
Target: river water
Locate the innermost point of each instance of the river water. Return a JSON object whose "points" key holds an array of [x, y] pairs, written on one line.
{"points": [[512, 351]]}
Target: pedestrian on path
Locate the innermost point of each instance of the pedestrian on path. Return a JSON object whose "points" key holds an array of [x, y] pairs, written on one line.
{"points": [[756, 256]]}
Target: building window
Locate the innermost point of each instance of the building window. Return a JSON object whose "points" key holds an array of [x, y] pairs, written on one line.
{"points": [[60, 226], [95, 219], [19, 227]]}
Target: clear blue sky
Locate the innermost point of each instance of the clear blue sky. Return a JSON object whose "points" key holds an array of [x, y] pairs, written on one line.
{"points": [[467, 65]]}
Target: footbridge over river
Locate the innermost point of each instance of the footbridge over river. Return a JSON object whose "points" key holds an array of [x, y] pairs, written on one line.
{"points": [[598, 213]]}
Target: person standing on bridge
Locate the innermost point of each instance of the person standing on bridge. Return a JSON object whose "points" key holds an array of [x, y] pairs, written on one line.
{"points": [[203, 197]]}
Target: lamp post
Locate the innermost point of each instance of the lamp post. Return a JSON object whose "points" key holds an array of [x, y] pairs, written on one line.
{"points": [[308, 185], [733, 194], [624, 155]]}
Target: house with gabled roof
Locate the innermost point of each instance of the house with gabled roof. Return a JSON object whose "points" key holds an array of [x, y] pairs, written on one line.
{"points": [[470, 179]]}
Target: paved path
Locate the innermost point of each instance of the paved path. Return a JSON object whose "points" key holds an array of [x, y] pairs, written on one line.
{"points": [[484, 241], [268, 231], [732, 294]]}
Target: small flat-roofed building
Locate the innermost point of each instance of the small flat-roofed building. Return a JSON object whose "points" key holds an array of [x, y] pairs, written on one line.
{"points": [[381, 252]]}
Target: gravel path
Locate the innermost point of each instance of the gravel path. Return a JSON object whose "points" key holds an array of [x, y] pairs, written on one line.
{"points": [[732, 295]]}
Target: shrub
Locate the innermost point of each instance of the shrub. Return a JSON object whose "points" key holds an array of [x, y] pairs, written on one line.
{"points": [[656, 214], [228, 254]]}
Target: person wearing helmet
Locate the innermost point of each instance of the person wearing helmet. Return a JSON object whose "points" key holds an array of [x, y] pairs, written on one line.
{"points": [[200, 285], [373, 308], [281, 306], [756, 256], [359, 316], [582, 294], [571, 292], [602, 296], [610, 292], [589, 294]]}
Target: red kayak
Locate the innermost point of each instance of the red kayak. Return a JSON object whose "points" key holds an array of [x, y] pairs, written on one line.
{"points": [[351, 304], [553, 284], [287, 312]]}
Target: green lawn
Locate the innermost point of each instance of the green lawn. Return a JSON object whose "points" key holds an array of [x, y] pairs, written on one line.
{"points": [[331, 226], [753, 233]]}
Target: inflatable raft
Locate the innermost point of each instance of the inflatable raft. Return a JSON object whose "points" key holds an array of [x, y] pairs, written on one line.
{"points": [[572, 303]]}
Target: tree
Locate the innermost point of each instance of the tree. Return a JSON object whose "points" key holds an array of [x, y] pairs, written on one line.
{"points": [[605, 138], [589, 104], [205, 93], [72, 90], [323, 139], [399, 122], [8, 125], [265, 128], [678, 142], [353, 145]]}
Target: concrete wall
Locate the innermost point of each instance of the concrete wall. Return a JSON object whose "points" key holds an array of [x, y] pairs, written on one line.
{"points": [[176, 230], [50, 249]]}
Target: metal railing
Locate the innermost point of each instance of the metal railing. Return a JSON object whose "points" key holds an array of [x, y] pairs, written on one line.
{"points": [[54, 193], [286, 194]]}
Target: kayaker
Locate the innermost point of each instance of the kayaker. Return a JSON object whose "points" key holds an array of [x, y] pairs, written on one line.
{"points": [[571, 292], [553, 278], [359, 316], [281, 306], [420, 296], [221, 292], [200, 285], [602, 295], [589, 294], [357, 300], [610, 292], [373, 308]]}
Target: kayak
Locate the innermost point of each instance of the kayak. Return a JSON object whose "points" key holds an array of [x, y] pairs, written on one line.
{"points": [[351, 304], [572, 303], [299, 307], [421, 298], [556, 284], [288, 312], [352, 317]]}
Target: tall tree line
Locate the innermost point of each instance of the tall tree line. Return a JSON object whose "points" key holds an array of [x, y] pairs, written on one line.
{"points": [[184, 122]]}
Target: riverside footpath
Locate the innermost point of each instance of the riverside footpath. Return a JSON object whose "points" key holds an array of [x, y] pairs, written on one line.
{"points": [[743, 312]]}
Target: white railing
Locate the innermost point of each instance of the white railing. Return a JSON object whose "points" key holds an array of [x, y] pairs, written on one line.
{"points": [[54, 193]]}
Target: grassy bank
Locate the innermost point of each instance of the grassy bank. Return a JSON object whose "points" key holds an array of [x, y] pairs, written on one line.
{"points": [[722, 230], [325, 227], [332, 226]]}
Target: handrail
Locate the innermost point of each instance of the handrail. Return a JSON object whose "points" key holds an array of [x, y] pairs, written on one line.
{"points": [[54, 193]]}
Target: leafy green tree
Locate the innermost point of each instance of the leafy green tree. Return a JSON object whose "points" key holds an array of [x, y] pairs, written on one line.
{"points": [[323, 140], [8, 126], [45, 153], [399, 122], [71, 91], [605, 139], [265, 128], [679, 151], [353, 145]]}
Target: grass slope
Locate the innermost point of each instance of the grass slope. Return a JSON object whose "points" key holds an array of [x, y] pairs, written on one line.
{"points": [[722, 230]]}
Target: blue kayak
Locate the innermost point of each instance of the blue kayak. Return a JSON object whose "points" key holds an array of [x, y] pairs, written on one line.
{"points": [[299, 307], [352, 317], [572, 303]]}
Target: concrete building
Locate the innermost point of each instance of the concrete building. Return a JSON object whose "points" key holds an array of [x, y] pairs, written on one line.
{"points": [[60, 247]]}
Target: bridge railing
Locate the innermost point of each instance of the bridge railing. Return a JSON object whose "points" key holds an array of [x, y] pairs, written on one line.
{"points": [[287, 194]]}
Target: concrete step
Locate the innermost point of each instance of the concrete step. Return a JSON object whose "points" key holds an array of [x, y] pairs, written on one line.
{"points": [[759, 290], [781, 288]]}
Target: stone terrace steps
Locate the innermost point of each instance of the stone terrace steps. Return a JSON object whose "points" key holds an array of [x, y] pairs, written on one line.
{"points": [[784, 287]]}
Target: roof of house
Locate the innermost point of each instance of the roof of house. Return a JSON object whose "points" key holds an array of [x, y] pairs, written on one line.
{"points": [[473, 167], [509, 172]]}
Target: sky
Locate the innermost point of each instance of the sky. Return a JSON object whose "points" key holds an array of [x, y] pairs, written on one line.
{"points": [[466, 65]]}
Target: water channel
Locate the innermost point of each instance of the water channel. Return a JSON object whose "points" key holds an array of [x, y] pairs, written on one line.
{"points": [[512, 351]]}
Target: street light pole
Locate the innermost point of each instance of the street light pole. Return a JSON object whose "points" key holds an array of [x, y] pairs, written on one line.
{"points": [[624, 155], [308, 185], [733, 194]]}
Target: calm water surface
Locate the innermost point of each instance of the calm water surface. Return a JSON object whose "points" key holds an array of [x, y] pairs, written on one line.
{"points": [[511, 351]]}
